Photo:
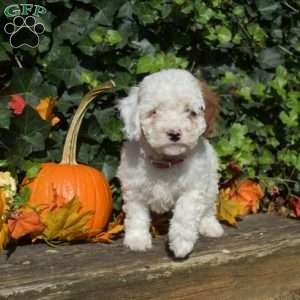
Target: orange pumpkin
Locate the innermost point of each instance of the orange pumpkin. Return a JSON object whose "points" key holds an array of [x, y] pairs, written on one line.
{"points": [[68, 178]]}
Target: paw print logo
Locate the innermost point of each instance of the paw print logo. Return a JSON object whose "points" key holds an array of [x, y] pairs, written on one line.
{"points": [[24, 31]]}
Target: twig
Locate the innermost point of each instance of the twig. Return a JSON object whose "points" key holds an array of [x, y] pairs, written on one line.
{"points": [[193, 66], [18, 62], [285, 50], [291, 7], [277, 179]]}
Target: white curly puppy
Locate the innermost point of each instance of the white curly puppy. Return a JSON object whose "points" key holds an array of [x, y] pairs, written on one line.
{"points": [[167, 163]]}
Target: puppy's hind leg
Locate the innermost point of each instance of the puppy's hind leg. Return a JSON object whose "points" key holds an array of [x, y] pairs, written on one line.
{"points": [[209, 225]]}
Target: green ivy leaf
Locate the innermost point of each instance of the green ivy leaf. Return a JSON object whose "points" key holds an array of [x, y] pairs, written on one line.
{"points": [[21, 198], [290, 119], [110, 166], [91, 131], [31, 168], [65, 70], [7, 139], [69, 31], [87, 46], [179, 2], [237, 134], [25, 82], [267, 7], [204, 13], [98, 35], [224, 34], [245, 92], [111, 126], [3, 55], [238, 11], [3, 163], [224, 148], [113, 37], [87, 153], [44, 44], [4, 113], [246, 50], [256, 32], [270, 58], [107, 11], [31, 131], [79, 17], [266, 158], [290, 157], [5, 49], [125, 11], [145, 13], [154, 63]]}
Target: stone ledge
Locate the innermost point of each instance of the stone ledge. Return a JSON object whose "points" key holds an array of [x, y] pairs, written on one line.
{"points": [[259, 260]]}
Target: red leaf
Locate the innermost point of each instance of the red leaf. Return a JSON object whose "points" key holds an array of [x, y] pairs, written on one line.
{"points": [[295, 204], [17, 104], [234, 168], [24, 223]]}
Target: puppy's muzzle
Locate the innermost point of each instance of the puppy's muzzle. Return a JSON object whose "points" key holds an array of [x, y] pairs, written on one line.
{"points": [[174, 135]]}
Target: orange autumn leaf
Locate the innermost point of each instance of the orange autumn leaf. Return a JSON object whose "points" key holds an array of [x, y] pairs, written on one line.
{"points": [[294, 202], [25, 222], [2, 203], [45, 109], [249, 193], [114, 228], [58, 202], [238, 200]]}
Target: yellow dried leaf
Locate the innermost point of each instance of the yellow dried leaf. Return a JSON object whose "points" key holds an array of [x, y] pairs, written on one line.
{"points": [[116, 229], [228, 208], [4, 235], [45, 108], [66, 222]]}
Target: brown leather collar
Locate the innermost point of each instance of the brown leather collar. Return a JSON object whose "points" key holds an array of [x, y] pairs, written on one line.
{"points": [[165, 163]]}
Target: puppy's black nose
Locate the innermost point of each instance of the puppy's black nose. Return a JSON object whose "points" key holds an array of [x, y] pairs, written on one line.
{"points": [[174, 135]]}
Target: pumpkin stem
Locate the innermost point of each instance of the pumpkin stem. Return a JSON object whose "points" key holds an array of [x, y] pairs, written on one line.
{"points": [[69, 151]]}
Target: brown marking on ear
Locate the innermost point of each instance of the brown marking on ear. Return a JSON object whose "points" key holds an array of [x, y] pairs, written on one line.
{"points": [[211, 107]]}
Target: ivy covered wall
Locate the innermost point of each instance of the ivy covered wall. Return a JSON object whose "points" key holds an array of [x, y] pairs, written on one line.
{"points": [[248, 51]]}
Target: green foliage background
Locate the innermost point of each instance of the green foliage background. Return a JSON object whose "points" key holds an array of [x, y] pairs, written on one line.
{"points": [[248, 51]]}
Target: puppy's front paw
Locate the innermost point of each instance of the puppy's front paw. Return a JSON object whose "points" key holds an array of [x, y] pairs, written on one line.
{"points": [[210, 227], [181, 247], [138, 241]]}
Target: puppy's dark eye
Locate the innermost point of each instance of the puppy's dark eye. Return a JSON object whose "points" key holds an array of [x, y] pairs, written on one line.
{"points": [[151, 113]]}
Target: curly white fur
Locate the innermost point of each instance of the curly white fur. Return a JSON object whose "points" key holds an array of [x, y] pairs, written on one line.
{"points": [[164, 120]]}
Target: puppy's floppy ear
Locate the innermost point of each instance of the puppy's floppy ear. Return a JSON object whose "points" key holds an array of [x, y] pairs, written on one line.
{"points": [[129, 113], [211, 100]]}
